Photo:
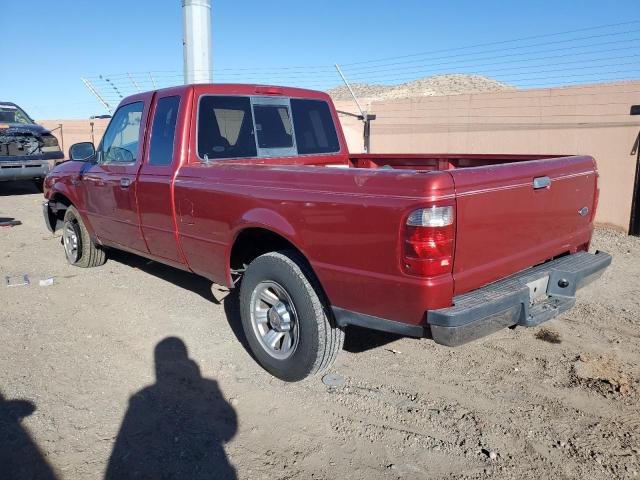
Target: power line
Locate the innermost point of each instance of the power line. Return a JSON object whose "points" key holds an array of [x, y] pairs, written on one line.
{"points": [[540, 115], [447, 126], [329, 68], [500, 107], [550, 57], [501, 42], [489, 72], [578, 85], [417, 69], [176, 74], [512, 78]]}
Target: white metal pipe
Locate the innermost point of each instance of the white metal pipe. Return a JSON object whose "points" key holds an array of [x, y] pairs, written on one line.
{"points": [[196, 21], [91, 88]]}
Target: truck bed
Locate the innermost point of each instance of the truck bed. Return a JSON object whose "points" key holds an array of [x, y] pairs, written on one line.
{"points": [[504, 224], [437, 161]]}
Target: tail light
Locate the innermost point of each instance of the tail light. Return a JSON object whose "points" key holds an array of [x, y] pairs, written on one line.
{"points": [[428, 241]]}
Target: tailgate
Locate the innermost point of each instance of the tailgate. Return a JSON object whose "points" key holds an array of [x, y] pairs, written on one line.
{"points": [[505, 223]]}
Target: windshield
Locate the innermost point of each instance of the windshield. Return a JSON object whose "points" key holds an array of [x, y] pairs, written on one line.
{"points": [[13, 114]]}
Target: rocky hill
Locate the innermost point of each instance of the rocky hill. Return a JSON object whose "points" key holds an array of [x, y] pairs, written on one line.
{"points": [[451, 84]]}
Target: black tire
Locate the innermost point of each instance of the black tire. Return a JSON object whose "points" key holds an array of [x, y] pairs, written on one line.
{"points": [[319, 340], [39, 183], [88, 253]]}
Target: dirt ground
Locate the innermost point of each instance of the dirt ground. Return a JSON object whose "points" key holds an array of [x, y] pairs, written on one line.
{"points": [[132, 370]]}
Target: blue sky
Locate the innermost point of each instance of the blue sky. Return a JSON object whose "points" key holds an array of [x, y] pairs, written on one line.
{"points": [[48, 48]]}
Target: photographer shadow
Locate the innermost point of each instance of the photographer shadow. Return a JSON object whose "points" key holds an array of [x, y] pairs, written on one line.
{"points": [[175, 428], [20, 457]]}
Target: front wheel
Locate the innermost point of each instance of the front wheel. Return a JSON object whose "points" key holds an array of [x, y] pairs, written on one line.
{"points": [[285, 317], [78, 246]]}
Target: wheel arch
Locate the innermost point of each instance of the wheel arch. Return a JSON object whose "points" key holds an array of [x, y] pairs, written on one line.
{"points": [[254, 240], [58, 204]]}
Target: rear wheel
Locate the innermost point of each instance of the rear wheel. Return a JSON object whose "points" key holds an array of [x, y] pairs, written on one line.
{"points": [[39, 183], [286, 319], [78, 247]]}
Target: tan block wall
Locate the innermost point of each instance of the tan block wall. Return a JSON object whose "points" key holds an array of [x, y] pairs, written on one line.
{"points": [[75, 131], [581, 120]]}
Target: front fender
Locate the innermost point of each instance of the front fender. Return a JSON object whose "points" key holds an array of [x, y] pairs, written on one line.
{"points": [[57, 194]]}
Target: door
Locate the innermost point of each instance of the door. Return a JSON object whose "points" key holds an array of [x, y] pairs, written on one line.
{"points": [[155, 182], [110, 184]]}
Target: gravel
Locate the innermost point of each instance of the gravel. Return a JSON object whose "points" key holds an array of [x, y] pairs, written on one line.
{"points": [[133, 367]]}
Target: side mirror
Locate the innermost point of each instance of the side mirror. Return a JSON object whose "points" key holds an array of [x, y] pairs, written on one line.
{"points": [[81, 152]]}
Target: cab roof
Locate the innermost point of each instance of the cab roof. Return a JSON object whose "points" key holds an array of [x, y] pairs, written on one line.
{"points": [[243, 89]]}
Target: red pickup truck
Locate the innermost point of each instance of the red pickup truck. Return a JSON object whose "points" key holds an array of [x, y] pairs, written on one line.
{"points": [[253, 186]]}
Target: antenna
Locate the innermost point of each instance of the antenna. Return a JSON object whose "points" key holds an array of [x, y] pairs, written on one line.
{"points": [[362, 112], [364, 116]]}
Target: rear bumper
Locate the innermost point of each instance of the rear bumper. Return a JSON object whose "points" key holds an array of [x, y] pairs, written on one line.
{"points": [[508, 301]]}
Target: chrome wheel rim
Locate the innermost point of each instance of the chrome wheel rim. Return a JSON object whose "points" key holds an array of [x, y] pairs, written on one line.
{"points": [[71, 242], [274, 320]]}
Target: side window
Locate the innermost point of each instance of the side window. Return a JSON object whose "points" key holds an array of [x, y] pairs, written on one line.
{"points": [[225, 128], [314, 126], [120, 141], [273, 126], [163, 131]]}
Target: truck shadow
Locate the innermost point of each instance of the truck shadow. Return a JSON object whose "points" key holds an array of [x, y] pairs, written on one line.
{"points": [[18, 188], [359, 340], [177, 427], [20, 457], [180, 278], [187, 281], [356, 339]]}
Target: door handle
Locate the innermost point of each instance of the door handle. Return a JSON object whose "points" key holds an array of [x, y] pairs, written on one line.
{"points": [[541, 182], [125, 182]]}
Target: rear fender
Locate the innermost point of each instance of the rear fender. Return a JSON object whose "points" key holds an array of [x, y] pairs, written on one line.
{"points": [[267, 220]]}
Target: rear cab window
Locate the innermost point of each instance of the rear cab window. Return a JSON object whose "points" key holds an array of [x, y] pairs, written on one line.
{"points": [[315, 130], [225, 128], [230, 127], [274, 129]]}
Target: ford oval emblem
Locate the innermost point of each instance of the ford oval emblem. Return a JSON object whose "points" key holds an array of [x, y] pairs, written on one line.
{"points": [[583, 211]]}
